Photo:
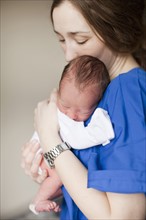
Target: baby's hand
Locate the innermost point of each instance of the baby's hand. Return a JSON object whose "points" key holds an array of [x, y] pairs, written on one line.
{"points": [[47, 206], [44, 206]]}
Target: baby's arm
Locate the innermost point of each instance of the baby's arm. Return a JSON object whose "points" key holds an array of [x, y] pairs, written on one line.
{"points": [[98, 131], [49, 189]]}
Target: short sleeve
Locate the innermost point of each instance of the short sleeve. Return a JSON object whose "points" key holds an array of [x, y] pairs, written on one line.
{"points": [[120, 166]]}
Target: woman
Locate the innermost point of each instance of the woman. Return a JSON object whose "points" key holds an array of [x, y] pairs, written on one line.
{"points": [[100, 182]]}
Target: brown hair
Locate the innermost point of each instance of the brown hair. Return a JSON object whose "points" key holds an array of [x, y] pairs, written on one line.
{"points": [[86, 71], [118, 22]]}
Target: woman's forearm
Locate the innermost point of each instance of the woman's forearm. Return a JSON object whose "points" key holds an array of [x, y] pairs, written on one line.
{"points": [[93, 203], [73, 174]]}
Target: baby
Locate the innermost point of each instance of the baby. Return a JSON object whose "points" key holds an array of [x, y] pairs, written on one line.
{"points": [[81, 87]]}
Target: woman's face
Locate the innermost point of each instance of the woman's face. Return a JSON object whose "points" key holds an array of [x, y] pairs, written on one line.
{"points": [[75, 35]]}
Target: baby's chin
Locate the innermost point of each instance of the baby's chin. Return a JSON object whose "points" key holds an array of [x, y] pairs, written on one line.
{"points": [[82, 119]]}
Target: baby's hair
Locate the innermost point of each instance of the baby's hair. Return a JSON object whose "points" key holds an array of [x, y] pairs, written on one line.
{"points": [[86, 71]]}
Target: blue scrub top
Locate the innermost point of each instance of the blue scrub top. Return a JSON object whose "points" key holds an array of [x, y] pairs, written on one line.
{"points": [[119, 166]]}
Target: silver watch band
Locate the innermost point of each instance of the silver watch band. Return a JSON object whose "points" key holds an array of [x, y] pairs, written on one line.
{"points": [[55, 152]]}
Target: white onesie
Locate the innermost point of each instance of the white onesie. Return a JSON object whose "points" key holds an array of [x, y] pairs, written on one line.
{"points": [[98, 131]]}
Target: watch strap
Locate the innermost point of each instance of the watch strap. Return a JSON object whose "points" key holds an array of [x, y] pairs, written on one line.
{"points": [[55, 152]]}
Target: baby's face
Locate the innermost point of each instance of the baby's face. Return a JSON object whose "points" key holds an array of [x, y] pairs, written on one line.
{"points": [[78, 105]]}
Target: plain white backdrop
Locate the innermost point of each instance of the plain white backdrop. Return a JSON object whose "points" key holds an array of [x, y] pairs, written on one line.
{"points": [[31, 65]]}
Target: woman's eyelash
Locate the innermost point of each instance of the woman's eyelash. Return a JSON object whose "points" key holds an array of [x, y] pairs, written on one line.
{"points": [[61, 40], [82, 42], [78, 42]]}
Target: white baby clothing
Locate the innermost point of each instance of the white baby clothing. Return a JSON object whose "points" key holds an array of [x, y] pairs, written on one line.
{"points": [[98, 131]]}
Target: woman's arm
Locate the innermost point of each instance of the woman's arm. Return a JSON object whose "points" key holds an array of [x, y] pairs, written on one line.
{"points": [[93, 203]]}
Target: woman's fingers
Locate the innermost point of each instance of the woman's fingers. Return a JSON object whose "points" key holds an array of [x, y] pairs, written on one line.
{"points": [[53, 96], [35, 165], [31, 161], [42, 177], [28, 154], [45, 112]]}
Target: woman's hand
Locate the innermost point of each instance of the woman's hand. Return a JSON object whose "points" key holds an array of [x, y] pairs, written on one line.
{"points": [[46, 122], [30, 162]]}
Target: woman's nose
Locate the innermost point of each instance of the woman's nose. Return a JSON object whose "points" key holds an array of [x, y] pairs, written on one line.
{"points": [[70, 53]]}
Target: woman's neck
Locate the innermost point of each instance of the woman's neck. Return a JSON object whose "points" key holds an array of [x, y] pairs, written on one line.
{"points": [[122, 64]]}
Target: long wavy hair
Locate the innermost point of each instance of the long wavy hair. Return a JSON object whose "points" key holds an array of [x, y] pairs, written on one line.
{"points": [[120, 23]]}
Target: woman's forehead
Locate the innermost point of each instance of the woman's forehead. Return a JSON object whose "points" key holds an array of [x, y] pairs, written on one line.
{"points": [[67, 17]]}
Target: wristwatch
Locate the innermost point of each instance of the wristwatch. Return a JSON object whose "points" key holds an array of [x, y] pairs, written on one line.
{"points": [[55, 152]]}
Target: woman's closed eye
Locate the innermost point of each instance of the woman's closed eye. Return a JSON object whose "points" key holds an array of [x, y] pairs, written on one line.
{"points": [[61, 40], [60, 37], [81, 42], [78, 42]]}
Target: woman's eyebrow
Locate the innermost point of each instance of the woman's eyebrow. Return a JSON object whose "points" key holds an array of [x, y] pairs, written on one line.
{"points": [[73, 32], [79, 32]]}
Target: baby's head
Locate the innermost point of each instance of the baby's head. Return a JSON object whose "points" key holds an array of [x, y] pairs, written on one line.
{"points": [[81, 87]]}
